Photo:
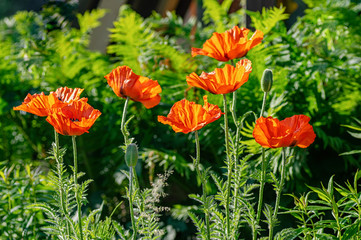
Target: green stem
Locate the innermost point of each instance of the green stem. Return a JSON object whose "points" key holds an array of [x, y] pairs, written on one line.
{"points": [[131, 203], [263, 176], [261, 190], [132, 173], [235, 152], [122, 127], [279, 191], [236, 168], [229, 163], [203, 184], [234, 116], [263, 104], [78, 201], [61, 191]]}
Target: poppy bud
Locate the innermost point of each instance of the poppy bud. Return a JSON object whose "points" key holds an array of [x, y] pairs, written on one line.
{"points": [[131, 155], [267, 80]]}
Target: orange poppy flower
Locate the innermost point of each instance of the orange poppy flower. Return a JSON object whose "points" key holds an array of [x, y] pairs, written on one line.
{"points": [[186, 116], [125, 84], [223, 80], [290, 132], [67, 95], [38, 104], [229, 45], [41, 104], [73, 119]]}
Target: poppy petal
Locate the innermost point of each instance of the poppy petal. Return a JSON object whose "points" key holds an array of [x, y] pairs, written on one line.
{"points": [[290, 132], [229, 45], [186, 116], [125, 84]]}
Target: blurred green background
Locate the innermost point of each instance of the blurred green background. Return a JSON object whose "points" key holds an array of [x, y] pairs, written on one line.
{"points": [[315, 58]]}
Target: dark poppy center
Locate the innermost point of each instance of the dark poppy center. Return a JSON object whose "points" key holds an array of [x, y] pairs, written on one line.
{"points": [[74, 120]]}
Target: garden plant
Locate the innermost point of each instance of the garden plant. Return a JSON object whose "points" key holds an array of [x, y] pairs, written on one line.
{"points": [[249, 113]]}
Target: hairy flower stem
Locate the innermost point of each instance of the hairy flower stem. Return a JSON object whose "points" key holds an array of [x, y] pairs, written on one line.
{"points": [[229, 161], [263, 104], [263, 176], [278, 196], [234, 116], [235, 152], [131, 203], [198, 157], [132, 173], [125, 135], [122, 126], [77, 187], [61, 192]]}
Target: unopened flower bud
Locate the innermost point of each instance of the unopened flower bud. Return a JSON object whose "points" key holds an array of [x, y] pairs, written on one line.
{"points": [[131, 155], [267, 80]]}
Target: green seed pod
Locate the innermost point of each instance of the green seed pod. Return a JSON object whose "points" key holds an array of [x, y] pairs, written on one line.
{"points": [[267, 80], [131, 155]]}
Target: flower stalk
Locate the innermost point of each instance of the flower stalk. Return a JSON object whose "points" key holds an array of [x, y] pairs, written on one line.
{"points": [[263, 175], [279, 191], [230, 164], [131, 203], [234, 116], [202, 177], [122, 126], [78, 201], [61, 192]]}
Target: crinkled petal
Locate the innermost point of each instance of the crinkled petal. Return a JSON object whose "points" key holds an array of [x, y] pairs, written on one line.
{"points": [[229, 45]]}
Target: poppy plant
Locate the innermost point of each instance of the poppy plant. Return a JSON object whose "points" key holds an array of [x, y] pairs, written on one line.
{"points": [[73, 119], [186, 116], [293, 131], [229, 45], [222, 80], [125, 84]]}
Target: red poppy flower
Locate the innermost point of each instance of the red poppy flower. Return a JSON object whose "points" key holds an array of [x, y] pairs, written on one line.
{"points": [[223, 80], [73, 119], [67, 95], [229, 45], [125, 84], [186, 116], [290, 132], [38, 104]]}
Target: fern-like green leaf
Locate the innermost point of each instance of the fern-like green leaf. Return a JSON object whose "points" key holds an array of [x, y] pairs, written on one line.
{"points": [[268, 18]]}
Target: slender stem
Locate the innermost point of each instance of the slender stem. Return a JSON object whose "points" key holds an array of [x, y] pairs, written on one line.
{"points": [[131, 203], [77, 187], [122, 128], [203, 183], [263, 104], [61, 191], [226, 125], [261, 188], [132, 173], [229, 161], [234, 104], [263, 175], [279, 191], [235, 167], [136, 183], [56, 135], [234, 116]]}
